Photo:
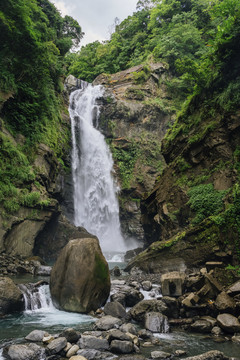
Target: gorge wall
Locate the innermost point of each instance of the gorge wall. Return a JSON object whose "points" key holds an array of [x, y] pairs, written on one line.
{"points": [[135, 116]]}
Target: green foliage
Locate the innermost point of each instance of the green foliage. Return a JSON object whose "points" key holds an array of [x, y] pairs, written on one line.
{"points": [[31, 68], [126, 159], [205, 201]]}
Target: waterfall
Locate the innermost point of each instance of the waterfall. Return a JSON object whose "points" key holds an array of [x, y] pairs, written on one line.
{"points": [[36, 297], [95, 193]]}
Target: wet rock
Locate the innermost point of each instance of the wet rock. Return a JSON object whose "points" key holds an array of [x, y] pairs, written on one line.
{"points": [[107, 322], [43, 270], [138, 311], [92, 342], [116, 271], [36, 335], [115, 309], [129, 327], [210, 355], [202, 326], [160, 355], [172, 283], [89, 354], [121, 347], [225, 303], [71, 335], [56, 345], [118, 335], [156, 322], [147, 285], [145, 334], [180, 352], [236, 339], [11, 298], [228, 322], [133, 297], [72, 351], [173, 308], [25, 352], [216, 331], [80, 279], [133, 357]]}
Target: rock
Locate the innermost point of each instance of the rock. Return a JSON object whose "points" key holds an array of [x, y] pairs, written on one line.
{"points": [[172, 283], [56, 345], [36, 335], [156, 322], [92, 342], [133, 357], [78, 357], [116, 271], [118, 335], [191, 300], [225, 303], [80, 279], [11, 298], [133, 297], [71, 83], [25, 352], [72, 351], [202, 326], [145, 334], [89, 354], [47, 339], [160, 355], [147, 285], [107, 322], [236, 339], [234, 289], [210, 355], [121, 347], [173, 307], [180, 352], [43, 270], [228, 322], [67, 347], [71, 335], [115, 309], [129, 327], [144, 306], [216, 331]]}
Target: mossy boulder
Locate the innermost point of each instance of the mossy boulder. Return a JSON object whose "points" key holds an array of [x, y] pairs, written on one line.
{"points": [[80, 279]]}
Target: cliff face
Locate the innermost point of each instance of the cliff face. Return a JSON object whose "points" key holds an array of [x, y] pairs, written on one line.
{"points": [[135, 117], [191, 216], [34, 189]]}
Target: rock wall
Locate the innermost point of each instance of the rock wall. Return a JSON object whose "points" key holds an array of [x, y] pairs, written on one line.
{"points": [[134, 118], [206, 154]]}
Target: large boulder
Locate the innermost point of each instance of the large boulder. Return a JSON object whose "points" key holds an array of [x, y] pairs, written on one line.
{"points": [[229, 323], [139, 310], [156, 322], [80, 279], [11, 298], [24, 352]]}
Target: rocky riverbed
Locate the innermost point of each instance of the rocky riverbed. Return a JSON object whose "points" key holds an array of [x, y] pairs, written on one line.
{"points": [[142, 308]]}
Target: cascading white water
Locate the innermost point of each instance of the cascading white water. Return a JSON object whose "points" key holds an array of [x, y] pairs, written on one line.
{"points": [[95, 201]]}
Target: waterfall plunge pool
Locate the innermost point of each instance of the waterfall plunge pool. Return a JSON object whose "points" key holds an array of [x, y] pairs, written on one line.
{"points": [[17, 326]]}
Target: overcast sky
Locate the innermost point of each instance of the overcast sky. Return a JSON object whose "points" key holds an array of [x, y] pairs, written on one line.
{"points": [[96, 16]]}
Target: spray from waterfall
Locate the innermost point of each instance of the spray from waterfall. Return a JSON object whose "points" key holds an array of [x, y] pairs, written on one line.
{"points": [[95, 193]]}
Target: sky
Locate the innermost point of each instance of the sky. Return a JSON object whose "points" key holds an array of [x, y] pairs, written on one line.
{"points": [[96, 17]]}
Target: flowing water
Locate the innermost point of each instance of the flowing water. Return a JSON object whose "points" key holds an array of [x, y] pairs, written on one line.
{"points": [[95, 193], [41, 314]]}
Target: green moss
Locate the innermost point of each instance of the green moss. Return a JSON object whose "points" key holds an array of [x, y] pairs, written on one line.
{"points": [[205, 201], [101, 271]]}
